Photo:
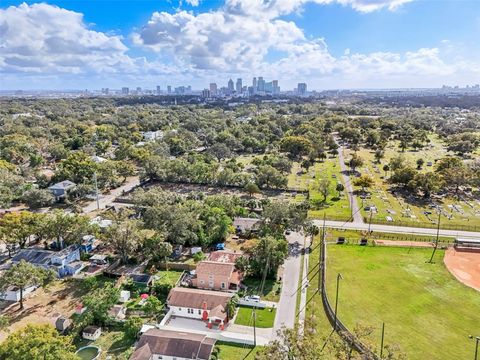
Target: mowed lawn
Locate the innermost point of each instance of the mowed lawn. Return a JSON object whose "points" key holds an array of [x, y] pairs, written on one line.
{"points": [[426, 310], [265, 317], [233, 351]]}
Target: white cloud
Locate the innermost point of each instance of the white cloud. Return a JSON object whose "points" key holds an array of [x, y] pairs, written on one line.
{"points": [[193, 2], [42, 38]]}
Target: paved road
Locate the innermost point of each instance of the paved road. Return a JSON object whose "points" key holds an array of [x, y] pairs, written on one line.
{"points": [[287, 308], [397, 229], [357, 216], [303, 296], [108, 200]]}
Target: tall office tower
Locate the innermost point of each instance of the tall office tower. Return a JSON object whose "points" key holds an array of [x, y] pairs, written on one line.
{"points": [[139, 90], [206, 93], [213, 89], [269, 87], [261, 84], [230, 86], [158, 90], [238, 86], [276, 89], [254, 84], [169, 89], [125, 90], [302, 89]]}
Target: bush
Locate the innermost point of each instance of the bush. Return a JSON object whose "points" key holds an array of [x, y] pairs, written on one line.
{"points": [[199, 256]]}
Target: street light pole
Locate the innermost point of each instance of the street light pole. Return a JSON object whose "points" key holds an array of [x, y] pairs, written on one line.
{"points": [[383, 337], [339, 276], [477, 340]]}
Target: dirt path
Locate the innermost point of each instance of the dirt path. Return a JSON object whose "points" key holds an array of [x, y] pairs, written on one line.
{"points": [[464, 265], [421, 244]]}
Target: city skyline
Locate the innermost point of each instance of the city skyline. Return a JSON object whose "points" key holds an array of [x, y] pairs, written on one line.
{"points": [[332, 43]]}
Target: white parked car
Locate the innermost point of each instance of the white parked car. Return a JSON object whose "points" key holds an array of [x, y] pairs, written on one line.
{"points": [[254, 298]]}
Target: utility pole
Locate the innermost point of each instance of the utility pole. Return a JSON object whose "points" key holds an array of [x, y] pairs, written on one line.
{"points": [[370, 221], [477, 340], [96, 189], [383, 337], [438, 234]]}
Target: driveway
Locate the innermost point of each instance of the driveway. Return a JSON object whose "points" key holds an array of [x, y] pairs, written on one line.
{"points": [[107, 200], [287, 308], [357, 216]]}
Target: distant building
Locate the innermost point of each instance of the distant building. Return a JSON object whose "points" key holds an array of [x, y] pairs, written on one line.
{"points": [[276, 88], [169, 89], [254, 83], [213, 89], [230, 86], [238, 86], [152, 135], [206, 93], [302, 89], [167, 344], [260, 84], [139, 90], [61, 189], [159, 91], [125, 90]]}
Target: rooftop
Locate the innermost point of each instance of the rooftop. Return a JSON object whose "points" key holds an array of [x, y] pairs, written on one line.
{"points": [[197, 299]]}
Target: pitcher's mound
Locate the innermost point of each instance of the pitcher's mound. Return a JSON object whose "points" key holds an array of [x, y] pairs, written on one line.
{"points": [[464, 265]]}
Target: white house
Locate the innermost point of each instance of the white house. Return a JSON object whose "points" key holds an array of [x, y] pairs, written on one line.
{"points": [[91, 332], [124, 296], [206, 305], [152, 135]]}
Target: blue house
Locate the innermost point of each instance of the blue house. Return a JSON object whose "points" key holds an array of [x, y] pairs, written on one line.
{"points": [[64, 263]]}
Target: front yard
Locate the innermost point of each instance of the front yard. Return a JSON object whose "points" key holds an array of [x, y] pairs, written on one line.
{"points": [[264, 317], [233, 351], [271, 289]]}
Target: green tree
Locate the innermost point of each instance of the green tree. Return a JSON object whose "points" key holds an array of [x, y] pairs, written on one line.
{"points": [[23, 275], [17, 228], [68, 229], [323, 187], [78, 167], [364, 181], [38, 342], [268, 177], [403, 175], [420, 163], [125, 237], [37, 198], [268, 251], [97, 303], [132, 327], [252, 189], [355, 162], [340, 188], [296, 145], [157, 249], [153, 307]]}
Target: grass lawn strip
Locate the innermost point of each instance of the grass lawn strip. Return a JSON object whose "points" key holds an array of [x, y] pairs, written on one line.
{"points": [[265, 317]]}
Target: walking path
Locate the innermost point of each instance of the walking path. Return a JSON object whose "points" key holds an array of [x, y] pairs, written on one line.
{"points": [[357, 216]]}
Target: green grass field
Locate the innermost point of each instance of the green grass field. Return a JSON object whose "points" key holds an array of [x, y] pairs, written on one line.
{"points": [[233, 351], [336, 207], [426, 310], [265, 317], [271, 288]]}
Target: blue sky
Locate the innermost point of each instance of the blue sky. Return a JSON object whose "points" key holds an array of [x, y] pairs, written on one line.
{"points": [[327, 43]]}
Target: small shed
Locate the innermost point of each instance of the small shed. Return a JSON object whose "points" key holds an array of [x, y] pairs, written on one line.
{"points": [[142, 279], [118, 312], [99, 259], [124, 296], [62, 323], [91, 332]]}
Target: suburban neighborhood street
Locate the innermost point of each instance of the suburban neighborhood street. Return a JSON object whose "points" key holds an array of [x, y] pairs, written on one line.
{"points": [[287, 308], [396, 229], [109, 199]]}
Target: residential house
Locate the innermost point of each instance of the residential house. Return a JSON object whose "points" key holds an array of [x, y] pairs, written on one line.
{"points": [[215, 275], [91, 332], [152, 135], [61, 189], [158, 344], [244, 225], [64, 262], [225, 256], [206, 305], [89, 243]]}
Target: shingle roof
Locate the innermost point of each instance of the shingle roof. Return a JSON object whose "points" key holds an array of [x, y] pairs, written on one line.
{"points": [[224, 256], [195, 298], [215, 268], [34, 256], [173, 344]]}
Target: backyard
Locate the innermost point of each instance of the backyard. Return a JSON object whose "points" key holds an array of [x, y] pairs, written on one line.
{"points": [[398, 287], [233, 351], [113, 344]]}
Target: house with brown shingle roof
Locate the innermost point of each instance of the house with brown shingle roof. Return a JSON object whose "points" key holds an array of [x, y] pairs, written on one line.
{"points": [[206, 305], [167, 344], [215, 275]]}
